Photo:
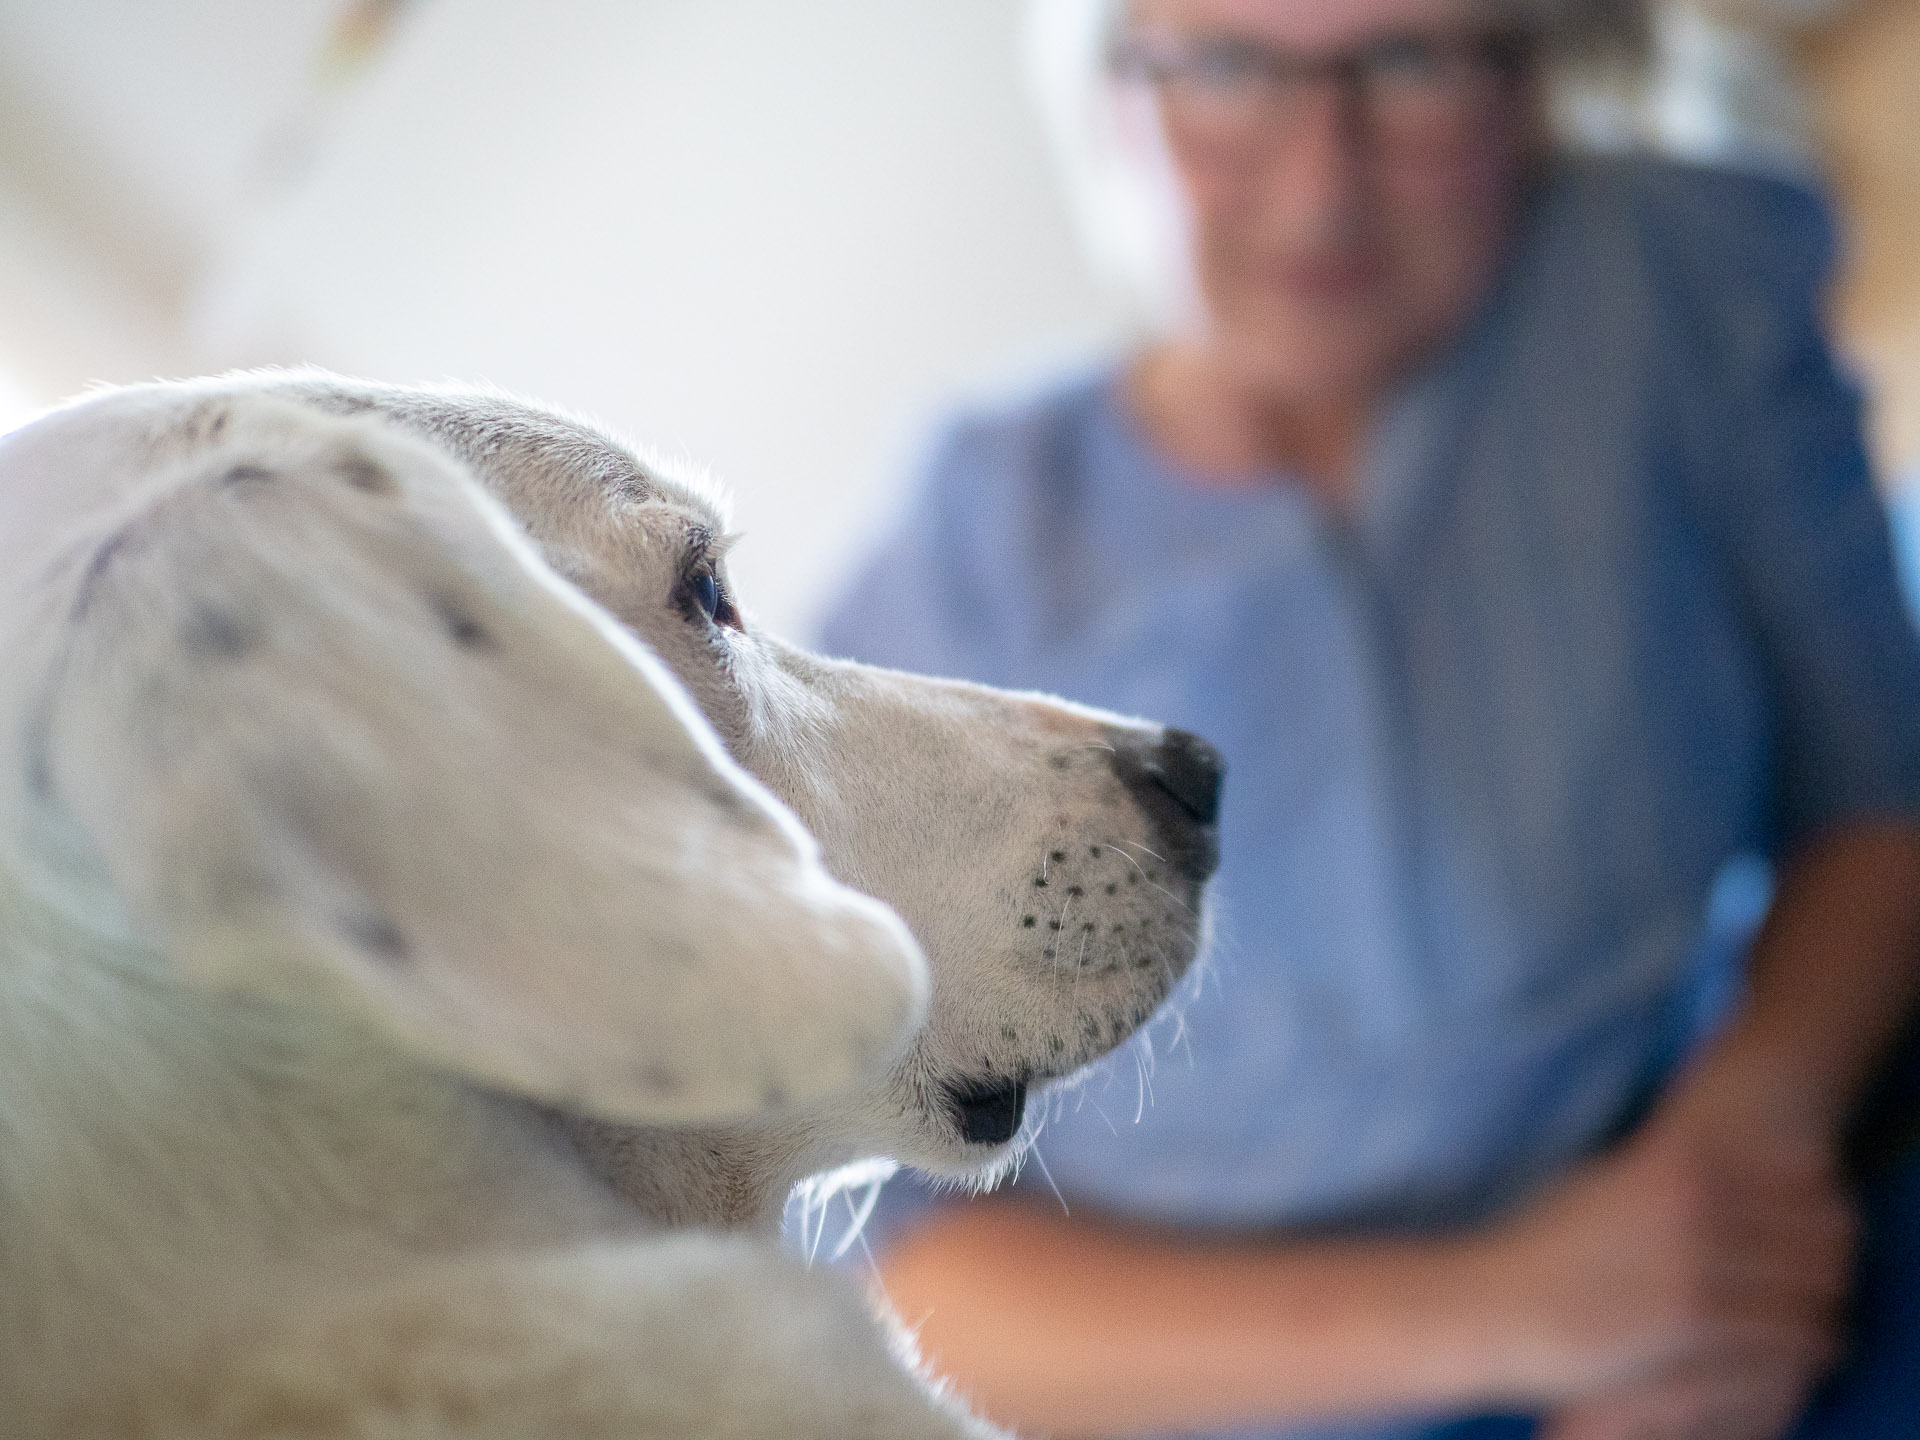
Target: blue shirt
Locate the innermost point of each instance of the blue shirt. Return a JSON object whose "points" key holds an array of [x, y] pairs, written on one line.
{"points": [[1614, 608]]}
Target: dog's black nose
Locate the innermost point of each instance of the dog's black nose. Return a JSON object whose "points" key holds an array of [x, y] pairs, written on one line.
{"points": [[1189, 769], [1176, 781]]}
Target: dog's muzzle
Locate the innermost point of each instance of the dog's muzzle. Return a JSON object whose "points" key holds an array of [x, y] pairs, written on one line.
{"points": [[1176, 783], [989, 1112]]}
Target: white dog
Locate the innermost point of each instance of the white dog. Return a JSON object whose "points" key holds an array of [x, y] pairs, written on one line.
{"points": [[417, 994]]}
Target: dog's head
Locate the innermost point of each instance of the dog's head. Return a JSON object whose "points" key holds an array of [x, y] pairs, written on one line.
{"points": [[380, 698]]}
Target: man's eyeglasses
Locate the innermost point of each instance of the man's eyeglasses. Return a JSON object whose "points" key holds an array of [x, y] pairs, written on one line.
{"points": [[1414, 92]]}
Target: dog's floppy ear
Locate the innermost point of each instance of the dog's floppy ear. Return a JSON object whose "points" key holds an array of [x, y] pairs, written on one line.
{"points": [[342, 738]]}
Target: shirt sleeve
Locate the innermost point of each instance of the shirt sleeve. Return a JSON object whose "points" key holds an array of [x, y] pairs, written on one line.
{"points": [[1786, 493]]}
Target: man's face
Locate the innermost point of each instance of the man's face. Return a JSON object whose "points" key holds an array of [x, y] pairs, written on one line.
{"points": [[1347, 217]]}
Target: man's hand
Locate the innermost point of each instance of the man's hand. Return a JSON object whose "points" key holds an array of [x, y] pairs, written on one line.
{"points": [[1724, 1402], [1692, 1283]]}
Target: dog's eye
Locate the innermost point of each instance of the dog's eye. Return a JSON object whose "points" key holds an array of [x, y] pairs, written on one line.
{"points": [[706, 591], [710, 596]]}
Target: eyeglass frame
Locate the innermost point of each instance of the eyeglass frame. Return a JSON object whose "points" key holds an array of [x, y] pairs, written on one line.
{"points": [[1355, 69]]}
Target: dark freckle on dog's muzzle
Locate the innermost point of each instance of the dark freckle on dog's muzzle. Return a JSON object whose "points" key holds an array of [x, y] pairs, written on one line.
{"points": [[989, 1112], [245, 475]]}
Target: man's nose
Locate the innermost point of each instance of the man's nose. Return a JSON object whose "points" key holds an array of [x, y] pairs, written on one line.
{"points": [[1317, 171]]}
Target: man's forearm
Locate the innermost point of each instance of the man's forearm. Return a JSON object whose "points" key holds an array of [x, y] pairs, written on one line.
{"points": [[1069, 1327], [1834, 973]]}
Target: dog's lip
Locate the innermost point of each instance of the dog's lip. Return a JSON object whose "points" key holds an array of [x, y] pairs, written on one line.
{"points": [[989, 1112]]}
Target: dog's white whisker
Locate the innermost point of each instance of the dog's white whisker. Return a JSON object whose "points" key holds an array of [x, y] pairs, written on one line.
{"points": [[873, 1265], [1177, 1015], [1099, 1110], [1121, 847], [1137, 845], [1047, 1175], [813, 1223], [857, 1218]]}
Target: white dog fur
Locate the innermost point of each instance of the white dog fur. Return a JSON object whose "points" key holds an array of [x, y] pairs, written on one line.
{"points": [[417, 993]]}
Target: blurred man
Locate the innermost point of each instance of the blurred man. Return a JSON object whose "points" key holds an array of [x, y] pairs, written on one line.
{"points": [[1500, 515]]}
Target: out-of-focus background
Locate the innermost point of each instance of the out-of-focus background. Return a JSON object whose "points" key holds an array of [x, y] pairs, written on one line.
{"points": [[770, 237]]}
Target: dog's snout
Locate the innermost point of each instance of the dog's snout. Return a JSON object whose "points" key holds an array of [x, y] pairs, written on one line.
{"points": [[1176, 781]]}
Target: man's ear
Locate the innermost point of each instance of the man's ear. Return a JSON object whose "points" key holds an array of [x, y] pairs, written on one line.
{"points": [[341, 738]]}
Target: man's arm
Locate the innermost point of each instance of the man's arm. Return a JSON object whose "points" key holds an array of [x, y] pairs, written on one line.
{"points": [[1062, 1326], [1833, 975], [1759, 1122]]}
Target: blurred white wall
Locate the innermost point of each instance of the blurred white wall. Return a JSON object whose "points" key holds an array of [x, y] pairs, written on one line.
{"points": [[131, 137], [771, 237], [768, 237]]}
